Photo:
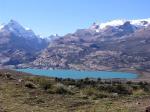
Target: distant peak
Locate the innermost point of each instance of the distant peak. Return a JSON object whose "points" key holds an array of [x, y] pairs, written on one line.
{"points": [[13, 22], [94, 26], [119, 22], [17, 29]]}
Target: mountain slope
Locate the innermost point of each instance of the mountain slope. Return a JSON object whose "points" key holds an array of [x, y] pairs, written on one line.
{"points": [[112, 47], [18, 45]]}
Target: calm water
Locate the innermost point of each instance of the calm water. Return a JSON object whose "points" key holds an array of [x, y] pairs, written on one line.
{"points": [[79, 74]]}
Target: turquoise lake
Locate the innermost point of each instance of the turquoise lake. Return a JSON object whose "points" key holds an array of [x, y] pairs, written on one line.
{"points": [[74, 74]]}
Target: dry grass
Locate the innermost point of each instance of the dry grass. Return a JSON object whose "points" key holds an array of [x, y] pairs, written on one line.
{"points": [[16, 97]]}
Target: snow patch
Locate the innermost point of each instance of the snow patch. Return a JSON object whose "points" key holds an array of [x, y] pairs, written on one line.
{"points": [[112, 23], [27, 28], [1, 27], [138, 23]]}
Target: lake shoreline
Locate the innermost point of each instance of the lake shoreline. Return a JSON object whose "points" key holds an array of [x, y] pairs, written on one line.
{"points": [[75, 74], [141, 75]]}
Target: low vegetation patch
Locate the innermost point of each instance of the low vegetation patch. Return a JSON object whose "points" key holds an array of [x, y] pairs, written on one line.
{"points": [[42, 94]]}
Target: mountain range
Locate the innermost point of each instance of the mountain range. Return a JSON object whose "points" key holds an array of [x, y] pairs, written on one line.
{"points": [[114, 45]]}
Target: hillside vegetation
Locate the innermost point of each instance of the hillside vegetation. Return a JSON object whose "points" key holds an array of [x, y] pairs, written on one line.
{"points": [[28, 93]]}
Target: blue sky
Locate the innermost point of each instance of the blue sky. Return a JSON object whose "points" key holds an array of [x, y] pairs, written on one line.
{"points": [[48, 17]]}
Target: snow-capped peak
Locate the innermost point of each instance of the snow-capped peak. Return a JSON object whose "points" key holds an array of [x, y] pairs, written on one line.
{"points": [[112, 23], [119, 22], [140, 22], [1, 26], [14, 25], [17, 29]]}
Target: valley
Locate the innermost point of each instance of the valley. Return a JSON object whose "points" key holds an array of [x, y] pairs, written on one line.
{"points": [[74, 56], [101, 47]]}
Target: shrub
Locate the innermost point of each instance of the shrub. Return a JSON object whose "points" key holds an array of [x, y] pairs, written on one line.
{"points": [[69, 81], [99, 79], [102, 95], [107, 87], [89, 91], [45, 85], [129, 82], [9, 76], [42, 82], [30, 85], [60, 89], [123, 89], [146, 88], [135, 87], [58, 79]]}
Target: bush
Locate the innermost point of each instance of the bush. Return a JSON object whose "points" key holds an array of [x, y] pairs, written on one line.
{"points": [[135, 87], [60, 89], [146, 88], [30, 85], [102, 95], [123, 89], [42, 82], [89, 91], [69, 81], [94, 93], [45, 85], [107, 87]]}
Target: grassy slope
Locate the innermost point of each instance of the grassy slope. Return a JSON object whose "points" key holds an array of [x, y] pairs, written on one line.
{"points": [[16, 96]]}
